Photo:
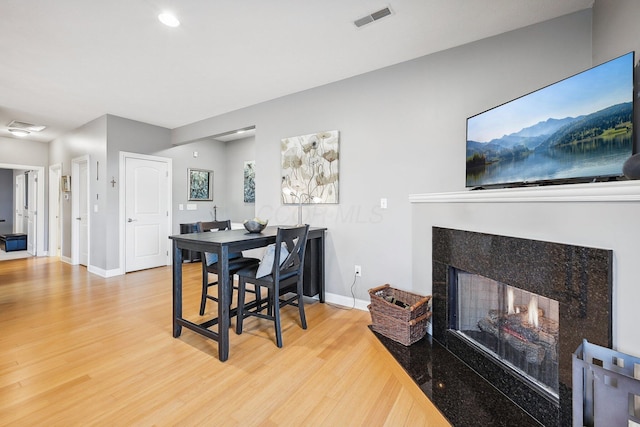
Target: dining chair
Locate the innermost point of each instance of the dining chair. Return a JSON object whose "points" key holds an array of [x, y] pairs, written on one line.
{"points": [[210, 263], [281, 277]]}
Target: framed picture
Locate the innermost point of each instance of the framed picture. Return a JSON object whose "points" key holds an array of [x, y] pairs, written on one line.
{"points": [[250, 181], [65, 183], [200, 183], [310, 168]]}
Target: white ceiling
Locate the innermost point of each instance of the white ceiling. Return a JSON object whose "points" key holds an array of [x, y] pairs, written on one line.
{"points": [[66, 62]]}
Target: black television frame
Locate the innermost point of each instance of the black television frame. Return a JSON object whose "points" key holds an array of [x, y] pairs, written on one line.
{"points": [[628, 136]]}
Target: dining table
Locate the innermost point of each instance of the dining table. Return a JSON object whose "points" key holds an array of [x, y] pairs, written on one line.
{"points": [[226, 242]]}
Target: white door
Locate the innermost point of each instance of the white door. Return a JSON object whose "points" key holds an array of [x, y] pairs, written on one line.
{"points": [[146, 213], [83, 213], [19, 205], [55, 174], [32, 211], [80, 211]]}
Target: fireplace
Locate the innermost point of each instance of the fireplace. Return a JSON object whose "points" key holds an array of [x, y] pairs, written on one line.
{"points": [[514, 310], [515, 327]]}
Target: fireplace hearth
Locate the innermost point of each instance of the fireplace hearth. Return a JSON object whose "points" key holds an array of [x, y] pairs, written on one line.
{"points": [[514, 310]]}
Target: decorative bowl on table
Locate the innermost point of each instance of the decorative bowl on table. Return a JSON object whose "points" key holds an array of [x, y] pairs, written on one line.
{"points": [[255, 225]]}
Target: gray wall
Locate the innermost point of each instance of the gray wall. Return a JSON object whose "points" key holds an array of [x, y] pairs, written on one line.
{"points": [[211, 156], [23, 152], [130, 136], [103, 139], [89, 139], [616, 32], [238, 152], [402, 131], [6, 201], [226, 160]]}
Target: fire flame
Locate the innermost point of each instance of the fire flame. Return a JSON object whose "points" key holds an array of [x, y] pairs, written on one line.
{"points": [[533, 311], [510, 298]]}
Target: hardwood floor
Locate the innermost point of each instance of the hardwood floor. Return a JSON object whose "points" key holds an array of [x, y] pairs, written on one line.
{"points": [[77, 349]]}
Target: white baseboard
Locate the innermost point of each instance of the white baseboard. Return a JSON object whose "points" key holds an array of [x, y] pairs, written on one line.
{"points": [[66, 259], [104, 273], [346, 301]]}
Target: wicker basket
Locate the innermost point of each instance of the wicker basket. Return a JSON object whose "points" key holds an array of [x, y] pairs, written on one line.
{"points": [[418, 305], [403, 325], [406, 333]]}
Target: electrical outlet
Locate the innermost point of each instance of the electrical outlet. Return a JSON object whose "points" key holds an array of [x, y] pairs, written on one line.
{"points": [[358, 271]]}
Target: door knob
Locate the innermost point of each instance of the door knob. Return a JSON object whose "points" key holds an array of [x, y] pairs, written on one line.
{"points": [[79, 218], [131, 220]]}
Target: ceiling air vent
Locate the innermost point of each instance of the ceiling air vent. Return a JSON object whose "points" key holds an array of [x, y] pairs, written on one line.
{"points": [[373, 17], [15, 124]]}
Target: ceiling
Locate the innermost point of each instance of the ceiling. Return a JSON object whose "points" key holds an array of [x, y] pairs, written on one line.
{"points": [[67, 62]]}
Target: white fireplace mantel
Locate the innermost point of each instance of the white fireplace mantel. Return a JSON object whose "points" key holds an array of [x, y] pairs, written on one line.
{"points": [[619, 191]]}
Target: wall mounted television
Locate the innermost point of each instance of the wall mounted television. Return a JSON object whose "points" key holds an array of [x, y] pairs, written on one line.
{"points": [[579, 129]]}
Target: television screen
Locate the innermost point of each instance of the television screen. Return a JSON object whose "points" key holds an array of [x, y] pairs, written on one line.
{"points": [[576, 130]]}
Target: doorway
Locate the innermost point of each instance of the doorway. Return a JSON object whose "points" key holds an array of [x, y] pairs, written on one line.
{"points": [[80, 229], [18, 204], [37, 203], [55, 243], [31, 212]]}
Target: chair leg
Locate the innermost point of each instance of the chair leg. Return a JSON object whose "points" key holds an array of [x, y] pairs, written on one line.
{"points": [[240, 313], [269, 302], [205, 286], [258, 298], [230, 299], [303, 318], [276, 317]]}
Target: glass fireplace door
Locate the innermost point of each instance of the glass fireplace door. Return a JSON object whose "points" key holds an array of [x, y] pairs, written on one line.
{"points": [[517, 327]]}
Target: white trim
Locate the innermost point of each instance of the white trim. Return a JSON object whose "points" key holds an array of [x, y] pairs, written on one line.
{"points": [[344, 301], [75, 209], [620, 191], [55, 172], [104, 273], [121, 201]]}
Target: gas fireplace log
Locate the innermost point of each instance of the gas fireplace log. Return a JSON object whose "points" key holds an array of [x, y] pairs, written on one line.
{"points": [[487, 325], [534, 352], [520, 311]]}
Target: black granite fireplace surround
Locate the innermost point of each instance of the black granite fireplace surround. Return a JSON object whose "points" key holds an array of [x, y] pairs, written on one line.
{"points": [[579, 278]]}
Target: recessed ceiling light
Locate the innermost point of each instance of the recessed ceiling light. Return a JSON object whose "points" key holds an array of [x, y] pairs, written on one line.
{"points": [[19, 132], [168, 19]]}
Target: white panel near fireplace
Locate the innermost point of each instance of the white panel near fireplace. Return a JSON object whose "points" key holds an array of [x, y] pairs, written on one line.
{"points": [[622, 191]]}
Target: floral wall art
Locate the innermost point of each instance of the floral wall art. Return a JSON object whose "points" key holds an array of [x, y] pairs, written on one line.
{"points": [[250, 181], [310, 168]]}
